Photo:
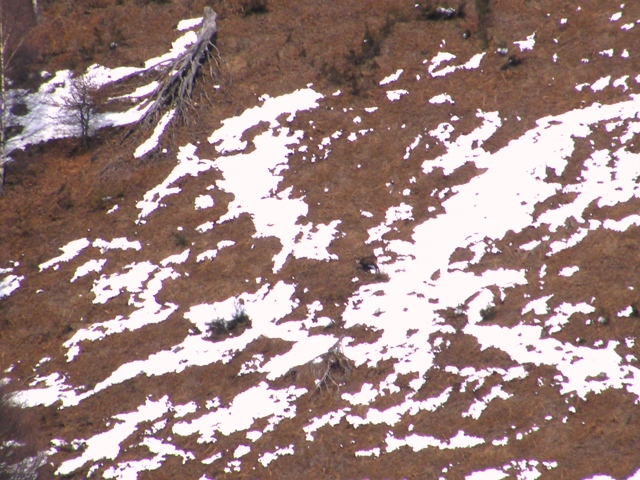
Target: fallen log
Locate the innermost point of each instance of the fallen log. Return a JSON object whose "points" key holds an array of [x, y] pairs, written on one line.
{"points": [[175, 87]]}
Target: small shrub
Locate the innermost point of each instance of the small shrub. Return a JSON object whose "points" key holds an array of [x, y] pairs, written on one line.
{"points": [[180, 240], [254, 7], [238, 323], [488, 313]]}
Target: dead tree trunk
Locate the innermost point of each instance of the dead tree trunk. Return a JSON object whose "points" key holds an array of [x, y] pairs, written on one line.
{"points": [[3, 102], [175, 89]]}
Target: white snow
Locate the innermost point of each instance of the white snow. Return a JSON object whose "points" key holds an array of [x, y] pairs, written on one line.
{"points": [[188, 24], [419, 442], [441, 57], [91, 266], [568, 271], [527, 44], [250, 405], [9, 284], [442, 98], [391, 78], [538, 306], [488, 474], [107, 445], [394, 95], [152, 141], [70, 250], [121, 243], [227, 137], [188, 164], [204, 201], [268, 457]]}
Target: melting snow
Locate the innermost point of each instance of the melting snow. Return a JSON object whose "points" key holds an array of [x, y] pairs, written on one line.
{"points": [[394, 95], [70, 250], [527, 44], [391, 78]]}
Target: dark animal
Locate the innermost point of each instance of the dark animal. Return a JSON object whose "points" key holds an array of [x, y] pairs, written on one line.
{"points": [[433, 13], [369, 263], [512, 61]]}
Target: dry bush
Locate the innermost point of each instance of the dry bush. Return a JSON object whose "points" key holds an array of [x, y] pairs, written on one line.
{"points": [[327, 372]]}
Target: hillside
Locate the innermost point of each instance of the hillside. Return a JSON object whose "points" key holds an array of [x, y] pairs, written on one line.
{"points": [[188, 302]]}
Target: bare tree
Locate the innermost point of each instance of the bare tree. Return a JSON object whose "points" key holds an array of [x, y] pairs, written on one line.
{"points": [[79, 108], [3, 100], [5, 61]]}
